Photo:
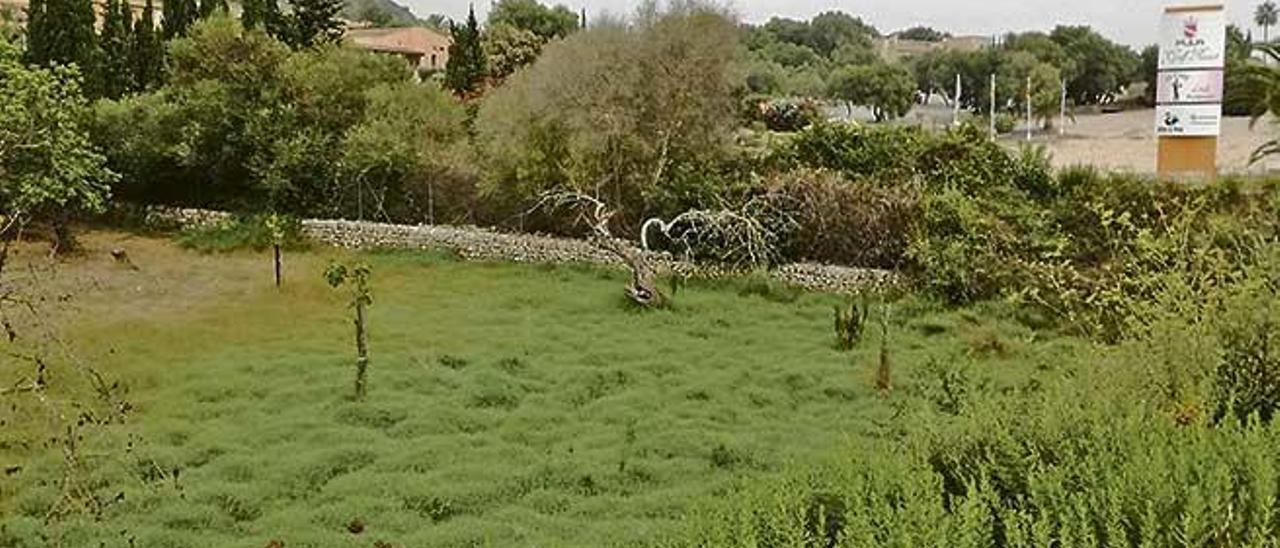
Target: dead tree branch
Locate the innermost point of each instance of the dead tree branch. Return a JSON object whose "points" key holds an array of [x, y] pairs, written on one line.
{"points": [[595, 214], [736, 237]]}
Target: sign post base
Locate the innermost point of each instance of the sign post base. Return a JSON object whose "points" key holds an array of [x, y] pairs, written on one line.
{"points": [[1187, 158]]}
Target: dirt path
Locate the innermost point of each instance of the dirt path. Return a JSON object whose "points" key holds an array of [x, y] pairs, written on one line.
{"points": [[1126, 141]]}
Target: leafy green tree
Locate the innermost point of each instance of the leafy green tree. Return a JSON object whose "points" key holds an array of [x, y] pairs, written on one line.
{"points": [[935, 73], [548, 23], [509, 48], [1265, 16], [789, 55], [1101, 67], [48, 168], [637, 112], [1043, 48], [923, 34], [314, 22], [1148, 66], [412, 154], [888, 90], [764, 76], [832, 29], [178, 16], [824, 33], [854, 54], [61, 32], [146, 51], [356, 277], [1016, 67], [465, 72], [113, 65], [1245, 81], [809, 82], [244, 123]]}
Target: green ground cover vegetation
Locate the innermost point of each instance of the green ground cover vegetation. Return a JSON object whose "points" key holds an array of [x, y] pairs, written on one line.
{"points": [[1070, 358]]}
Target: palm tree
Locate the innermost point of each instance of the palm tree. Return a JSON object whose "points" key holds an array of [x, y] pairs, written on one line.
{"points": [[1265, 16]]}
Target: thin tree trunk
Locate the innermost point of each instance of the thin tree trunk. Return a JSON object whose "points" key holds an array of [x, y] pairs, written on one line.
{"points": [[644, 287], [362, 351], [276, 248], [64, 241]]}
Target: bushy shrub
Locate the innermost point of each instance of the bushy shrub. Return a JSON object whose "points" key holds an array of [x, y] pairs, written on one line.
{"points": [[884, 153], [821, 216], [408, 158], [786, 114], [245, 232], [968, 248], [963, 158], [1005, 122], [1105, 452]]}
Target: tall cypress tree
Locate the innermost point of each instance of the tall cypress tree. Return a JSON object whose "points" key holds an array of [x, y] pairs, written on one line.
{"points": [[146, 51], [35, 29], [262, 14], [126, 65], [113, 41], [276, 23], [209, 7], [178, 17], [252, 14], [61, 32], [465, 70], [314, 22]]}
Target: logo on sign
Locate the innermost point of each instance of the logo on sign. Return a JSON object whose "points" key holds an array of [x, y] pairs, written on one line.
{"points": [[1190, 33]]}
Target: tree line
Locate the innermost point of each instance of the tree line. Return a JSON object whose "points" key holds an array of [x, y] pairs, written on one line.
{"points": [[833, 57], [127, 55]]}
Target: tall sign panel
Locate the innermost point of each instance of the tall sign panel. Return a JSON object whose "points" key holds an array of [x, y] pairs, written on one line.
{"points": [[1189, 90]]}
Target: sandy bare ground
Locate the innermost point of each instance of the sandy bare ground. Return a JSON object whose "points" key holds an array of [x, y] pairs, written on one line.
{"points": [[1126, 142]]}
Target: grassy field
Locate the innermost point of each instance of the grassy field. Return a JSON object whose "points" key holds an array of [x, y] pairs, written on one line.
{"points": [[509, 405]]}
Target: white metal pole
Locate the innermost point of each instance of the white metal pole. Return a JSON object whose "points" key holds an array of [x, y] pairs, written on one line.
{"points": [[955, 108], [1062, 110], [991, 107], [1028, 108]]}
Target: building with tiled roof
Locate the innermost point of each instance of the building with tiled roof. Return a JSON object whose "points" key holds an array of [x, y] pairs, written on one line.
{"points": [[425, 49]]}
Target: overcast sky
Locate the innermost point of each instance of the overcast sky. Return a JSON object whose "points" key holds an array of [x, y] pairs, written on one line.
{"points": [[1131, 22]]}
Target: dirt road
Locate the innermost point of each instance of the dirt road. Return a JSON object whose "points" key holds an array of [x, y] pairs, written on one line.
{"points": [[1126, 141]]}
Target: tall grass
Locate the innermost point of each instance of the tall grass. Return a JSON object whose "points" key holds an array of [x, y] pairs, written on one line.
{"points": [[1164, 440]]}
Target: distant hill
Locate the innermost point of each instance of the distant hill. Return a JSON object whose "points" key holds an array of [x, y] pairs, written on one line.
{"points": [[394, 14]]}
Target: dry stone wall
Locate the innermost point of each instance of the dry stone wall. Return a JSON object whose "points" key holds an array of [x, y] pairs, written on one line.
{"points": [[473, 243]]}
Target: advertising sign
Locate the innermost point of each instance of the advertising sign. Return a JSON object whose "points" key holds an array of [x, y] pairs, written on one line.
{"points": [[1188, 120], [1189, 79], [1189, 86], [1193, 38]]}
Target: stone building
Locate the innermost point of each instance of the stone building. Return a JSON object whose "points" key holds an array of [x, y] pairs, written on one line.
{"points": [[424, 49]]}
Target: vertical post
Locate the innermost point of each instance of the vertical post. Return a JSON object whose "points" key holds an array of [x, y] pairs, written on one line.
{"points": [[955, 108], [1028, 99], [1062, 110], [991, 106], [431, 204], [362, 350], [276, 248]]}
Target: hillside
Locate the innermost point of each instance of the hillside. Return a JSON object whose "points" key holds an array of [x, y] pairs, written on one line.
{"points": [[365, 10]]}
